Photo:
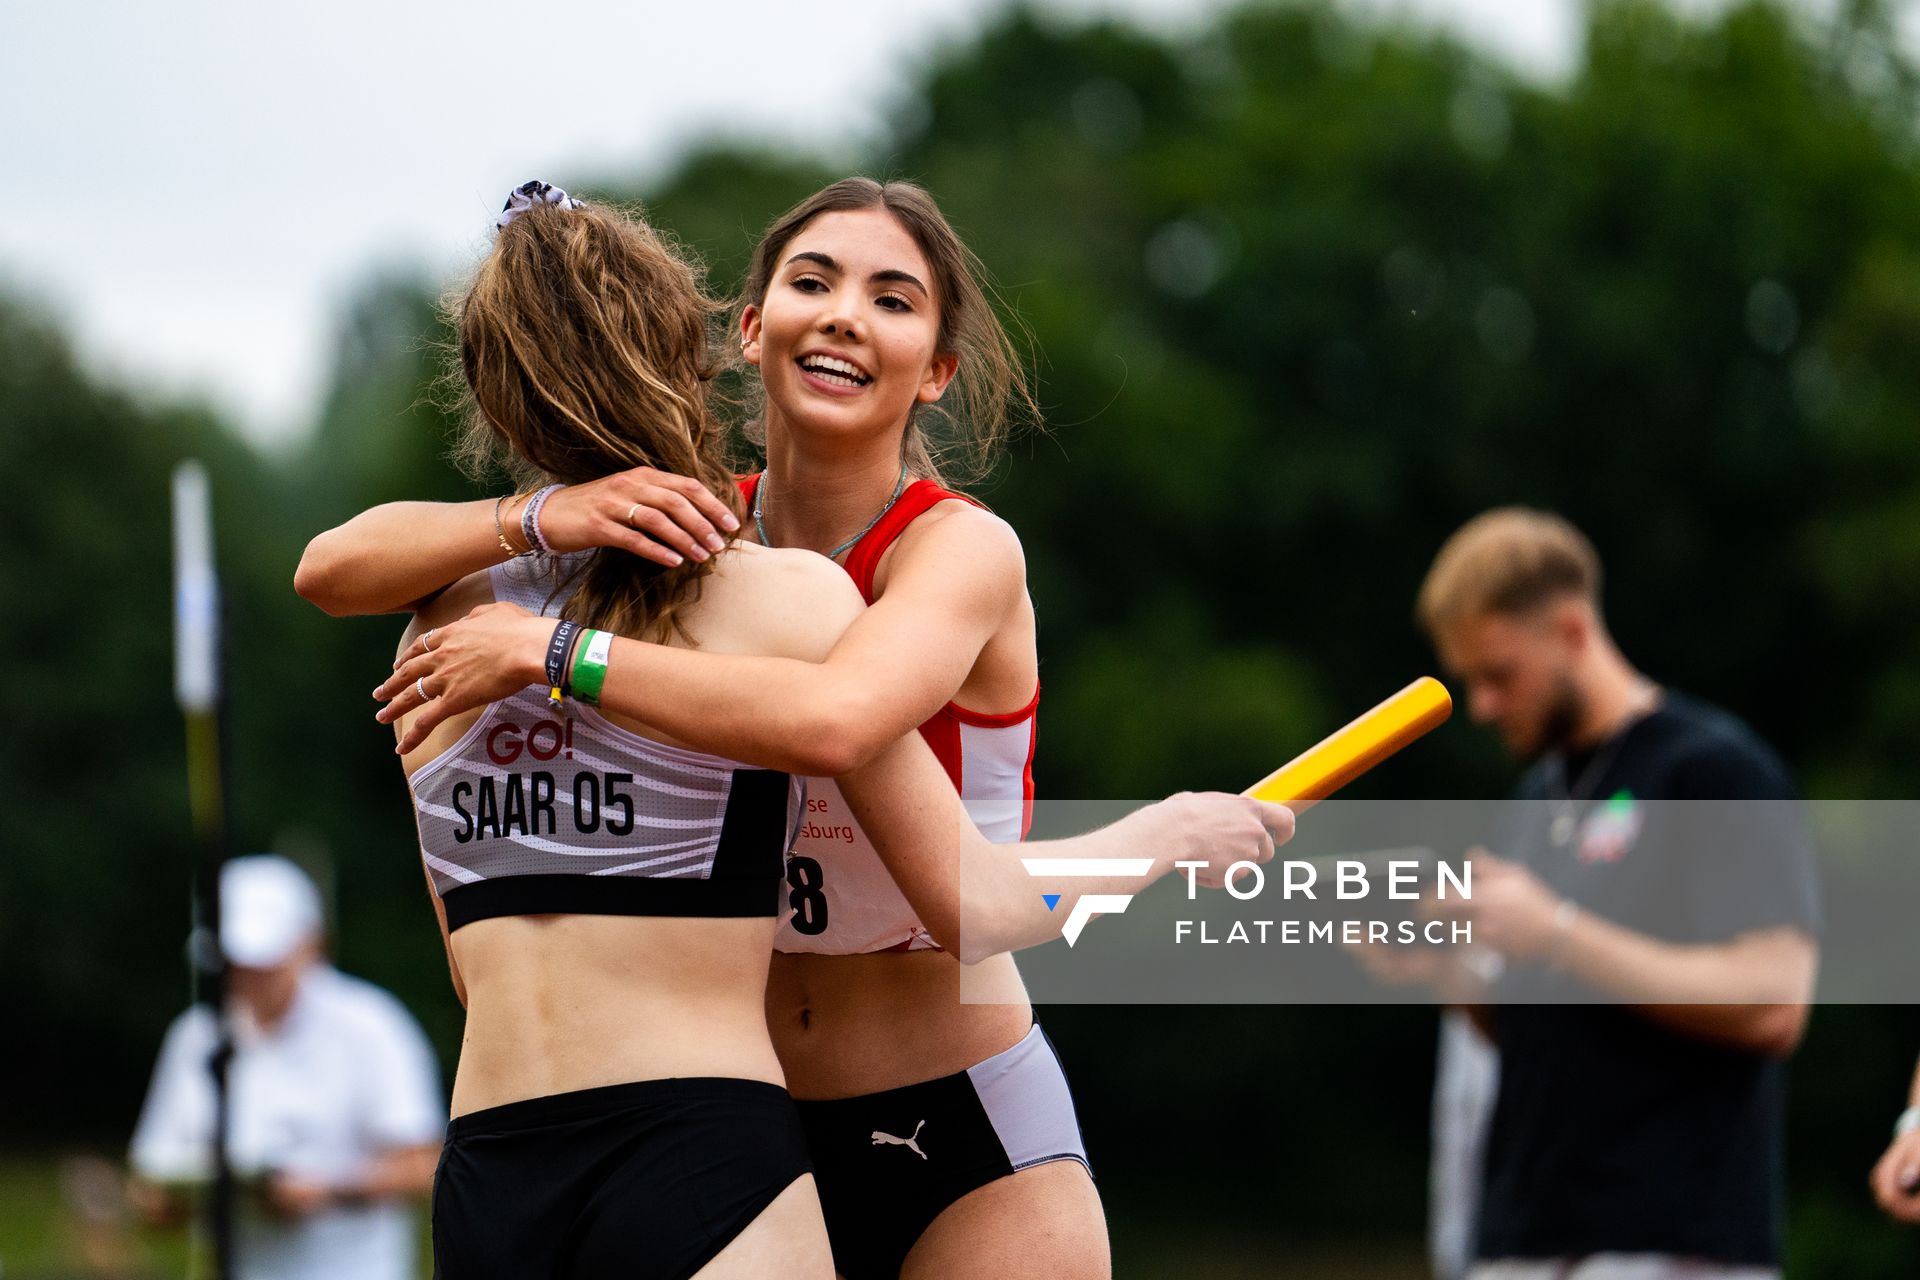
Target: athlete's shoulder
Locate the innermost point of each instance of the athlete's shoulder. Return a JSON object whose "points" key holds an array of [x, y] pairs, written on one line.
{"points": [[800, 601], [750, 566], [963, 516], [452, 604], [960, 527]]}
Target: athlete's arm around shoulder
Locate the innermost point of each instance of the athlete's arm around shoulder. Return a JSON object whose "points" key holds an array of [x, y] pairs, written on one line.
{"points": [[397, 557], [954, 579], [401, 555]]}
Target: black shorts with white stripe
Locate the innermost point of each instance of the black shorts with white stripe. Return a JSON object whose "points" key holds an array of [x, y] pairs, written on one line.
{"points": [[887, 1164]]}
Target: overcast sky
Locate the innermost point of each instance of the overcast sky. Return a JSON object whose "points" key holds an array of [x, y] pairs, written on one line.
{"points": [[196, 186]]}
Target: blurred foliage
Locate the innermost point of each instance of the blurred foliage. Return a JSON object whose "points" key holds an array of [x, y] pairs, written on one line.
{"points": [[1306, 292]]}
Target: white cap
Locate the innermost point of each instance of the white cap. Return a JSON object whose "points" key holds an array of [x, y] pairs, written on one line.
{"points": [[268, 907]]}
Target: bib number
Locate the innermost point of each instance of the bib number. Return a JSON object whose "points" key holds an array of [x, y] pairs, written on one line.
{"points": [[808, 899]]}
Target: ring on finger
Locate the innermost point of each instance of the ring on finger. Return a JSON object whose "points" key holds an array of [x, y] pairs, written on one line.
{"points": [[628, 518], [420, 686], [427, 639]]}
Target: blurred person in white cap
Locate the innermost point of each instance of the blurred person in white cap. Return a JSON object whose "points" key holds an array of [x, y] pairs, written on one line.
{"points": [[335, 1109]]}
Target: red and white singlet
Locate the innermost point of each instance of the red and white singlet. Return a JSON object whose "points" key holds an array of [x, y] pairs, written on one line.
{"points": [[841, 901]]}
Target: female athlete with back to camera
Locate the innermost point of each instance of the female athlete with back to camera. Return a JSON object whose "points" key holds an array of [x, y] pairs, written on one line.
{"points": [[861, 308]]}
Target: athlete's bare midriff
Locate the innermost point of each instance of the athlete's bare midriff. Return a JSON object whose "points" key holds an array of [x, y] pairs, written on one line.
{"points": [[848, 1025], [564, 1002]]}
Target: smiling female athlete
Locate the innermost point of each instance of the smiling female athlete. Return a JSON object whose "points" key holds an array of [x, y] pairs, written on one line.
{"points": [[943, 1135]]}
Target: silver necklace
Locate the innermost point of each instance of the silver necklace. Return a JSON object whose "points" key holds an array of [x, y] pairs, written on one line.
{"points": [[1566, 804], [760, 526]]}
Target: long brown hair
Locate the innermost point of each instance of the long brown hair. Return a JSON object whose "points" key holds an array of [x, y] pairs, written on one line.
{"points": [[583, 350], [990, 395]]}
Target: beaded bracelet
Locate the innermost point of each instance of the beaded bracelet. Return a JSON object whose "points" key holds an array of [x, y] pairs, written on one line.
{"points": [[530, 519]]}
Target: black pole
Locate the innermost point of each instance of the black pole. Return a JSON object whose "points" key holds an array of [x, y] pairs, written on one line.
{"points": [[198, 651]]}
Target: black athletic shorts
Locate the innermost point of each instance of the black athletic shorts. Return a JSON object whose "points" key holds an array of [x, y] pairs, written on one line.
{"points": [[641, 1181], [887, 1164]]}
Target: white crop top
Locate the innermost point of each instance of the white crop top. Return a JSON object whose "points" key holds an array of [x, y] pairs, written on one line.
{"points": [[541, 808]]}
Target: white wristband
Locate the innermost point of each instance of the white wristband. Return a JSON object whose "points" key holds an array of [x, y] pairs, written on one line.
{"points": [[1909, 1121], [600, 648]]}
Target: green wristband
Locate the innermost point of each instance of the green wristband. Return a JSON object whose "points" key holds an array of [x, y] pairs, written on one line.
{"points": [[590, 665]]}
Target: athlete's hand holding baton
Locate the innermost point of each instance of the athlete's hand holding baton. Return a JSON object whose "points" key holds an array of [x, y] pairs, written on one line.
{"points": [[1216, 829], [978, 899]]}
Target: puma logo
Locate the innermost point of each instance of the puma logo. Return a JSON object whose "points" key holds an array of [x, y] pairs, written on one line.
{"points": [[913, 1143]]}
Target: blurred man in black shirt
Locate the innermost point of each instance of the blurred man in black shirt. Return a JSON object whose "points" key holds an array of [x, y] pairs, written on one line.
{"points": [[1659, 956]]}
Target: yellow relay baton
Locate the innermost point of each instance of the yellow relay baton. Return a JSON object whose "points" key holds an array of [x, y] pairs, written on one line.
{"points": [[1345, 754]]}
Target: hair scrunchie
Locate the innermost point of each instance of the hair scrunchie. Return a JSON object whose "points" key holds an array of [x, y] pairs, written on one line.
{"points": [[528, 194]]}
